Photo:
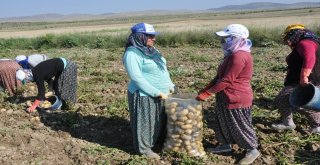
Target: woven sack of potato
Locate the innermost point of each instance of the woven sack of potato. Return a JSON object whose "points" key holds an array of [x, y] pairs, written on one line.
{"points": [[184, 126]]}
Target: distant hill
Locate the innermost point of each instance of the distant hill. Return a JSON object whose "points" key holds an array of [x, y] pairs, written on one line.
{"points": [[266, 6], [54, 17], [72, 17]]}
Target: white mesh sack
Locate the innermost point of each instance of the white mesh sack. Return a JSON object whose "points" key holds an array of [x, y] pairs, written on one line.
{"points": [[184, 126]]}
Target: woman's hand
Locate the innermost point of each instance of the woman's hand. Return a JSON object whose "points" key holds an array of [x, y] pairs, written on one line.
{"points": [[34, 106], [203, 96], [304, 76], [163, 96], [304, 82]]}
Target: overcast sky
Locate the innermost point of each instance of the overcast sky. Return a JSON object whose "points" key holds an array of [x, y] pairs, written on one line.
{"points": [[16, 8]]}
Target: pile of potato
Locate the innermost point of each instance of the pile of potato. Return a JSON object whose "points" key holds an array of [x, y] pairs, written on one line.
{"points": [[185, 127], [45, 104]]}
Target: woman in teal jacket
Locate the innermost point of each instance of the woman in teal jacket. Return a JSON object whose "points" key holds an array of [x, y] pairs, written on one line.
{"points": [[149, 86]]}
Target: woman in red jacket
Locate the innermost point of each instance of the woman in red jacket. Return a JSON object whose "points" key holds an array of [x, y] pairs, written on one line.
{"points": [[233, 118], [303, 68]]}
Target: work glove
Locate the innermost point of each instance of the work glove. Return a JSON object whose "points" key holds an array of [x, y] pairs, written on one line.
{"points": [[203, 96], [34, 106]]}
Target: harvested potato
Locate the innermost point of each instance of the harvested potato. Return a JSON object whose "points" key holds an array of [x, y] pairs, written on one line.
{"points": [[191, 109], [190, 115], [45, 104], [186, 137], [179, 123], [32, 88], [187, 126], [176, 149], [178, 130], [175, 136], [188, 121], [188, 132], [172, 105], [29, 103], [183, 118], [170, 111], [183, 112], [199, 107], [188, 148], [49, 94], [187, 143], [173, 117]]}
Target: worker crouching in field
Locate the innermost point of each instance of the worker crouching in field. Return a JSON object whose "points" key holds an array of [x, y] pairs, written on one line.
{"points": [[8, 80], [8, 68], [61, 76], [234, 95]]}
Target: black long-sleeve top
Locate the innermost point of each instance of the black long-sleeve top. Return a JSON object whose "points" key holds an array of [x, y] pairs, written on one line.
{"points": [[45, 71]]}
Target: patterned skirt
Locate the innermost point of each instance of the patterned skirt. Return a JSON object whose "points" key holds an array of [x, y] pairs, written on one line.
{"points": [[281, 102], [148, 121], [8, 79], [67, 85], [234, 126]]}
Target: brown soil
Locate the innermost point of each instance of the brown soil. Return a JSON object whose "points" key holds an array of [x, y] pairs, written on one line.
{"points": [[96, 133]]}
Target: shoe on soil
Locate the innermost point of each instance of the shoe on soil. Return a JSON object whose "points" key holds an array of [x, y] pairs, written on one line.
{"points": [[151, 154], [315, 130], [282, 126], [220, 149], [251, 156]]}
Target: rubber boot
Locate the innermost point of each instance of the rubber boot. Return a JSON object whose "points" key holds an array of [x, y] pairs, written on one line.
{"points": [[315, 130], [287, 124], [251, 156], [151, 154]]}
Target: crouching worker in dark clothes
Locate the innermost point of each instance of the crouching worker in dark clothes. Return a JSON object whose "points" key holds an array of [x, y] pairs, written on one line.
{"points": [[61, 76]]}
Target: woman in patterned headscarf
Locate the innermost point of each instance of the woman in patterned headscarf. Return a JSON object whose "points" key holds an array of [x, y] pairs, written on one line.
{"points": [[8, 79], [303, 68], [149, 86]]}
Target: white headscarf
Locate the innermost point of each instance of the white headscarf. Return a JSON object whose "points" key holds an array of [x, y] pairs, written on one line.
{"points": [[235, 44], [21, 58], [35, 59], [24, 75], [20, 74], [30, 61]]}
